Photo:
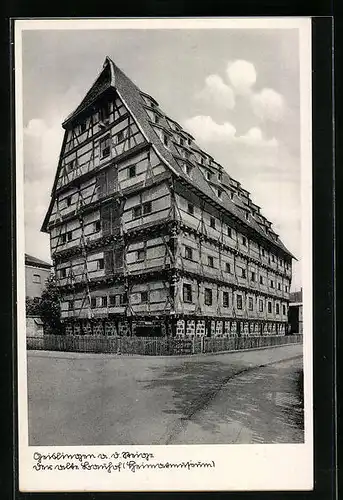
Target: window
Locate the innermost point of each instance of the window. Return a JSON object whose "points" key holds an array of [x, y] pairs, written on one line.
{"points": [[244, 241], [105, 149], [68, 201], [93, 302], [187, 292], [220, 176], [271, 284], [225, 299], [277, 308], [239, 302], [281, 262], [112, 300], [229, 232], [202, 160], [105, 112], [144, 297], [137, 211], [261, 280], [273, 258], [261, 305], [63, 273], [219, 193], [188, 253], [208, 175], [165, 140], [181, 141], [147, 207], [103, 301], [188, 169], [284, 309], [97, 226], [227, 267], [279, 286], [190, 208], [208, 296], [70, 305], [63, 238], [131, 171], [83, 127], [70, 166], [213, 222], [36, 278], [286, 288], [70, 235], [250, 304], [253, 276], [140, 254], [263, 252], [100, 264], [269, 307], [210, 261], [120, 136], [244, 274], [246, 215], [116, 300], [189, 141]]}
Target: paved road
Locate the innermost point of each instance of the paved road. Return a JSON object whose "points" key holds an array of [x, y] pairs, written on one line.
{"points": [[95, 399]]}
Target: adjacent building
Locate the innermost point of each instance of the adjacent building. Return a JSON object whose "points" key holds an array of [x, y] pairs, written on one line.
{"points": [[295, 312], [36, 273], [150, 235]]}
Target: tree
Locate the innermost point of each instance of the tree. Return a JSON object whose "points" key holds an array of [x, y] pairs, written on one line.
{"points": [[47, 307]]}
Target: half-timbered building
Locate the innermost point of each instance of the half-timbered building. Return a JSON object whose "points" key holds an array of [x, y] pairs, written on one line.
{"points": [[150, 235]]}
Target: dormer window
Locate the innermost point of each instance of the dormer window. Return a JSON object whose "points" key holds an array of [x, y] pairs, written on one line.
{"points": [[188, 169], [181, 141], [157, 118], [202, 160], [83, 127], [165, 140], [219, 193], [220, 176], [208, 175]]}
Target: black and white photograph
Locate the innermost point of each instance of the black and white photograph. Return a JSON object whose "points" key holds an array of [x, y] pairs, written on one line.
{"points": [[164, 213]]}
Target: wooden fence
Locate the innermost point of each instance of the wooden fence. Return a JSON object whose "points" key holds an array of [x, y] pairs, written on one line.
{"points": [[159, 346]]}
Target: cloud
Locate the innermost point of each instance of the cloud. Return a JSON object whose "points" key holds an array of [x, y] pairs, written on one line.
{"points": [[216, 91], [268, 105], [42, 144], [242, 76], [205, 129]]}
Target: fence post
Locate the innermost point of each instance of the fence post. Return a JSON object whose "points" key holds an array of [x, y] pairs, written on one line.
{"points": [[119, 346]]}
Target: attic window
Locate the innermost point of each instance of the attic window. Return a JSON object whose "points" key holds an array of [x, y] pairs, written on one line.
{"points": [[165, 140], [219, 193], [105, 112], [220, 176], [189, 141], [208, 175], [105, 149], [202, 160], [120, 136], [247, 215], [83, 127], [157, 118], [181, 141]]}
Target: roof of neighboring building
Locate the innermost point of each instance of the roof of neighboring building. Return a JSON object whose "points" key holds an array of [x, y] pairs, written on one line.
{"points": [[133, 98], [296, 296], [33, 261]]}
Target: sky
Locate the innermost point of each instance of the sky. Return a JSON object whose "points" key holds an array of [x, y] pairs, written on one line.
{"points": [[235, 90]]}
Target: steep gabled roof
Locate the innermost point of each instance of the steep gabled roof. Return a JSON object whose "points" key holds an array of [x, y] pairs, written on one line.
{"points": [[134, 99]]}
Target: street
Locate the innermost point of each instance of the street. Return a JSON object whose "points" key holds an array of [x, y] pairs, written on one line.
{"points": [[98, 399]]}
